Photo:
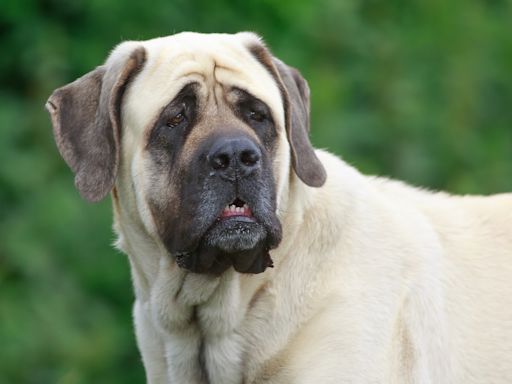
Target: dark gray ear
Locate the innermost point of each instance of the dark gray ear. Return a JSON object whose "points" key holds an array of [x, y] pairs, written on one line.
{"points": [[295, 94], [86, 123]]}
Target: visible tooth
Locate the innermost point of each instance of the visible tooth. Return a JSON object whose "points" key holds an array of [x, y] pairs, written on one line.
{"points": [[226, 208], [245, 207], [238, 210], [232, 208]]}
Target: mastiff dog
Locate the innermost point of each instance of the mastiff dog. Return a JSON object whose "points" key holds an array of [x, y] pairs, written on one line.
{"points": [[258, 259]]}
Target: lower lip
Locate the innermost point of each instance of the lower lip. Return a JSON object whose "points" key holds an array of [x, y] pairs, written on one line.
{"points": [[241, 218]]}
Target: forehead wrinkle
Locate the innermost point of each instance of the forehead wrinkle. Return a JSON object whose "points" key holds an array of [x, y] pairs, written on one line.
{"points": [[164, 59], [165, 76], [251, 76]]}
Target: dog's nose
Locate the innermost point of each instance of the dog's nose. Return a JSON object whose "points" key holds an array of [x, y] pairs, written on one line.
{"points": [[234, 157]]}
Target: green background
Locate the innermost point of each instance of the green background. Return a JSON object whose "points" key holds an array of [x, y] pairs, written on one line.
{"points": [[417, 90]]}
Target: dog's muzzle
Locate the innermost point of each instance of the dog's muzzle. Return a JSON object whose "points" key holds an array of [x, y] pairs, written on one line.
{"points": [[244, 228]]}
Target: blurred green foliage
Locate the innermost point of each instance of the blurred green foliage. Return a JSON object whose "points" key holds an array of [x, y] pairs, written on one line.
{"points": [[419, 90]]}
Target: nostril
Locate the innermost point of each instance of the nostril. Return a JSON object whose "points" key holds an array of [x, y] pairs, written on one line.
{"points": [[249, 157], [220, 161], [234, 157]]}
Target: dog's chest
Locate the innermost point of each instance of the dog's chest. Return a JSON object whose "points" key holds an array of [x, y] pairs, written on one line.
{"points": [[199, 319]]}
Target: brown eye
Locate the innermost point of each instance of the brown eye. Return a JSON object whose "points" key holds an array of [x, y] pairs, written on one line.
{"points": [[257, 116], [176, 120]]}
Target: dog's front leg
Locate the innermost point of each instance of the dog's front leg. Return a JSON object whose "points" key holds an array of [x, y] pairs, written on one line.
{"points": [[150, 345], [169, 356], [173, 312], [219, 319]]}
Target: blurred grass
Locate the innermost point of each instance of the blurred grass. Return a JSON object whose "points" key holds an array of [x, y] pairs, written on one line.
{"points": [[417, 90]]}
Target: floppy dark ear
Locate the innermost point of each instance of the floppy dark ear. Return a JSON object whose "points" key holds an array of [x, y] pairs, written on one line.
{"points": [[86, 123], [295, 94], [306, 164]]}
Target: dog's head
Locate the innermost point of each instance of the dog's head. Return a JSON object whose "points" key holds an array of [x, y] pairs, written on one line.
{"points": [[198, 133]]}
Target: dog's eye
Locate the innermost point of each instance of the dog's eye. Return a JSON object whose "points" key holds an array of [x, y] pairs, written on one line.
{"points": [[257, 116], [176, 120]]}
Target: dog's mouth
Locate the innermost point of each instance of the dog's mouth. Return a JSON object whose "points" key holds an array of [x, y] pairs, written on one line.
{"points": [[236, 228], [239, 237], [237, 208]]}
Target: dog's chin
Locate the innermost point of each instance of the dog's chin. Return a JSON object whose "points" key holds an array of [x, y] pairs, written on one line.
{"points": [[240, 242], [233, 235]]}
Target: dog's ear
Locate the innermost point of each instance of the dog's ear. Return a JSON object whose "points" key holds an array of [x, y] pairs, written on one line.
{"points": [[306, 164], [295, 94], [86, 118]]}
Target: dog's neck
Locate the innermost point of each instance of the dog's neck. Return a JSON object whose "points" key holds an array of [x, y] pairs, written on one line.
{"points": [[146, 253]]}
